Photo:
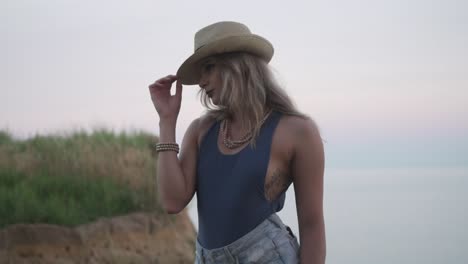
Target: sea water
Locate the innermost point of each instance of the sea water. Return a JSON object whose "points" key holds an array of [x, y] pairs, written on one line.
{"points": [[387, 216]]}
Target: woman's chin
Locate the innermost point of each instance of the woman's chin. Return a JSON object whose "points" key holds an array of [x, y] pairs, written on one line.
{"points": [[214, 101]]}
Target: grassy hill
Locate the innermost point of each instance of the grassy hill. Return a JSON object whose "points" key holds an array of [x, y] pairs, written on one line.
{"points": [[75, 178]]}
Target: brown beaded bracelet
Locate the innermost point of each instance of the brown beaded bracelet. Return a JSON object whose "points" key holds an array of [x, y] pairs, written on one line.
{"points": [[167, 147]]}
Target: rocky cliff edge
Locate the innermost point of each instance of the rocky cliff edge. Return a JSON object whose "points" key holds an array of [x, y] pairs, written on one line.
{"points": [[134, 238]]}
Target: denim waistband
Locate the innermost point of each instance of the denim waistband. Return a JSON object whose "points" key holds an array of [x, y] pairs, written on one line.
{"points": [[271, 227]]}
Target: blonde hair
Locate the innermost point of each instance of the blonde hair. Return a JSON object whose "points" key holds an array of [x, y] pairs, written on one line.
{"points": [[248, 89]]}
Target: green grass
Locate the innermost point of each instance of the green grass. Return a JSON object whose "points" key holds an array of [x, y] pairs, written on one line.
{"points": [[62, 200], [76, 178]]}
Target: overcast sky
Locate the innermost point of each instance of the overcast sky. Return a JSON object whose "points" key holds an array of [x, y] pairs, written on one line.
{"points": [[387, 81]]}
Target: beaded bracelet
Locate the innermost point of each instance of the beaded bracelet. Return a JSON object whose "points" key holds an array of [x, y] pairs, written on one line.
{"points": [[167, 147]]}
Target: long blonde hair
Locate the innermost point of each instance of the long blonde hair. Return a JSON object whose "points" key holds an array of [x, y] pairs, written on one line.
{"points": [[248, 89]]}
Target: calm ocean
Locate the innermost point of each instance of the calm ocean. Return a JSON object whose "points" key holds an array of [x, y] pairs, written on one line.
{"points": [[389, 216]]}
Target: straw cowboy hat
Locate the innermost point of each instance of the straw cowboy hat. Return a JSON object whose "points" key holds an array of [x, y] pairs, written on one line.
{"points": [[220, 38]]}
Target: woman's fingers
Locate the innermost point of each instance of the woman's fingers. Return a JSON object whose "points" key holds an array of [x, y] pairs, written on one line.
{"points": [[164, 82], [168, 79], [165, 103], [178, 93], [162, 87], [171, 77]]}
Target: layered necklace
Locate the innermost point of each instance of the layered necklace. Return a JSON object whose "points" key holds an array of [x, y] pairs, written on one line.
{"points": [[233, 144]]}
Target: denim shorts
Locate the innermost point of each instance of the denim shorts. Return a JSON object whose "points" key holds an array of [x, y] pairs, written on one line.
{"points": [[270, 242]]}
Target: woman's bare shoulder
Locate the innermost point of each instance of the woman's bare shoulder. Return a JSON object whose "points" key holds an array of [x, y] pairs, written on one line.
{"points": [[205, 121], [201, 125], [299, 125]]}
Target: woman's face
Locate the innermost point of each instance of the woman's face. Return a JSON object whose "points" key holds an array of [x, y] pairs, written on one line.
{"points": [[210, 80]]}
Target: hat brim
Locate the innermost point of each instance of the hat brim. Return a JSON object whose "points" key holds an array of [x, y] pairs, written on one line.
{"points": [[189, 72]]}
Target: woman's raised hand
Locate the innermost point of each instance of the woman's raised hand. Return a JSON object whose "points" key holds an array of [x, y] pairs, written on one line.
{"points": [[166, 105]]}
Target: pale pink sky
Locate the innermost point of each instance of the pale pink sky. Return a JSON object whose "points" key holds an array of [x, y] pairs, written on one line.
{"points": [[371, 73]]}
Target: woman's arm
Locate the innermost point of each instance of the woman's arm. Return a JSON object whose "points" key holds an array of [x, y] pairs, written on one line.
{"points": [[175, 175], [308, 169]]}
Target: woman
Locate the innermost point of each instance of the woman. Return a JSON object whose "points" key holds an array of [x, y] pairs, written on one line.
{"points": [[242, 155]]}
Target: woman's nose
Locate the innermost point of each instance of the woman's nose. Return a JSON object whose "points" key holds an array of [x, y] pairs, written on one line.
{"points": [[203, 82]]}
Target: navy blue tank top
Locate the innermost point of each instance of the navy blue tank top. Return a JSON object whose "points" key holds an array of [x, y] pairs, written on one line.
{"points": [[230, 188]]}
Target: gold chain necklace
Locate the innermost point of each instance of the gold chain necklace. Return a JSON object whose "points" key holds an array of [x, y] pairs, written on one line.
{"points": [[233, 144]]}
